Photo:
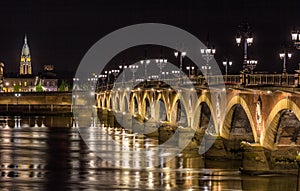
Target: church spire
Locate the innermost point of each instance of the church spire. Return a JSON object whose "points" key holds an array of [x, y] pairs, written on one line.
{"points": [[25, 39], [25, 63]]}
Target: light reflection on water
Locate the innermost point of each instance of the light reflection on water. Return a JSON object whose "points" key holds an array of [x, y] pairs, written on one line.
{"points": [[55, 158]]}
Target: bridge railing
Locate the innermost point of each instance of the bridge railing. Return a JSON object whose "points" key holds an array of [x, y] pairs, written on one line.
{"points": [[284, 80], [273, 79]]}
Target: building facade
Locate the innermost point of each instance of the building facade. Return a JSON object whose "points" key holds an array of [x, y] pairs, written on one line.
{"points": [[29, 84], [26, 81]]}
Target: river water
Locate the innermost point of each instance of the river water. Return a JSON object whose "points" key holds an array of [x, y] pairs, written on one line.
{"points": [[47, 153]]}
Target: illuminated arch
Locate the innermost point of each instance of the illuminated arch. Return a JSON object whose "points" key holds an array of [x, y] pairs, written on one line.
{"points": [[268, 133], [203, 99], [125, 103], [105, 103], [236, 100], [117, 103], [156, 108], [145, 104], [172, 114], [133, 105], [98, 97], [110, 101]]}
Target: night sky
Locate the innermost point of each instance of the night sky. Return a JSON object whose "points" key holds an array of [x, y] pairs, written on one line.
{"points": [[61, 32]]}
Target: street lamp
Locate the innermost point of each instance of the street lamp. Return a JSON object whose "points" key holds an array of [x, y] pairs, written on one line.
{"points": [[165, 74], [227, 63], [75, 84], [189, 68], [115, 73], [154, 77], [176, 73], [17, 95], [208, 54], [92, 81], [205, 69], [283, 56], [296, 38], [108, 78], [133, 69], [181, 55], [252, 64], [145, 62], [123, 68], [244, 35], [161, 63], [102, 77]]}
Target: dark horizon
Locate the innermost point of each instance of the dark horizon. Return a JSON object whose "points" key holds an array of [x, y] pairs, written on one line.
{"points": [[61, 32]]}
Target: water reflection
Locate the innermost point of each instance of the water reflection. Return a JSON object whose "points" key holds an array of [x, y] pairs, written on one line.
{"points": [[54, 157]]}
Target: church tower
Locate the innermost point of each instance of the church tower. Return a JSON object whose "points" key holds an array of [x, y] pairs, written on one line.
{"points": [[25, 63]]}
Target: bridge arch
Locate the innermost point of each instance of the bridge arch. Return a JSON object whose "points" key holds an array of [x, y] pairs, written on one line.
{"points": [[117, 103], [147, 107], [105, 102], [178, 112], [160, 110], [110, 101], [203, 99], [125, 104], [134, 104], [230, 108], [273, 119]]}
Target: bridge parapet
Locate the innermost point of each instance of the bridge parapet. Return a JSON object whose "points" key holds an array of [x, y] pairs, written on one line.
{"points": [[237, 81]]}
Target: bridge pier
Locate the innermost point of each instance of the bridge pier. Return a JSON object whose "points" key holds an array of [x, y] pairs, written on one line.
{"points": [[254, 159], [186, 140], [214, 147]]}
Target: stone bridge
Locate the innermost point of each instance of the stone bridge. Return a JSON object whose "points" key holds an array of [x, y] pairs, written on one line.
{"points": [[269, 118]]}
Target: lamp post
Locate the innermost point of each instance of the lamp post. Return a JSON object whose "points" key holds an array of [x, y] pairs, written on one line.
{"points": [[17, 95], [102, 77], [251, 64], [75, 85], [133, 69], [245, 36], [145, 62], [92, 81], [205, 68], [189, 68], [181, 55], [161, 63], [295, 34], [283, 56], [165, 74], [115, 73], [208, 54], [227, 63], [123, 68], [176, 73], [108, 78]]}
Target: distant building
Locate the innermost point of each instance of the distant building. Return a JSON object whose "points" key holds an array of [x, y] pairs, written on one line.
{"points": [[49, 68], [26, 81], [29, 84], [25, 63]]}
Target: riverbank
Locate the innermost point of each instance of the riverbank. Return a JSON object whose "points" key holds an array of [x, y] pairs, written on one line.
{"points": [[36, 103]]}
